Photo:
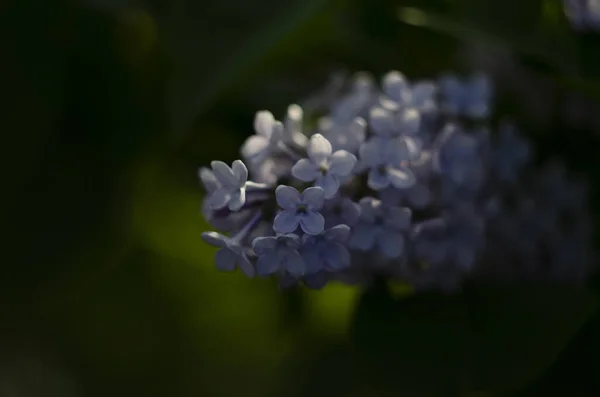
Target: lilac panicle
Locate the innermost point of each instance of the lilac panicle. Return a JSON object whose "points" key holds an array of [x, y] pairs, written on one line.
{"points": [[409, 180]]}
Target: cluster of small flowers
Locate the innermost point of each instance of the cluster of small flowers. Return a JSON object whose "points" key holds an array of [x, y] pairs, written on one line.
{"points": [[583, 14], [404, 181]]}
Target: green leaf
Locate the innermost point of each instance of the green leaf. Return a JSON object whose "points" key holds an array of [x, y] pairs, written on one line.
{"points": [[535, 46], [490, 340]]}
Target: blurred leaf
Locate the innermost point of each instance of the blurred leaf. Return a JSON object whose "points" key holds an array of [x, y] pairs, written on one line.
{"points": [[213, 43], [483, 340], [555, 53]]}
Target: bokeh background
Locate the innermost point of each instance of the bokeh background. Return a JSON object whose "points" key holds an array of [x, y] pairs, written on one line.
{"points": [[108, 109]]}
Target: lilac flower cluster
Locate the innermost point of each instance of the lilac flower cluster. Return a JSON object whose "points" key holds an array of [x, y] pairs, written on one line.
{"points": [[583, 14], [406, 180]]}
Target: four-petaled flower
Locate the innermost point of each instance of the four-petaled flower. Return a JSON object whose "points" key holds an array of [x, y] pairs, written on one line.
{"points": [[269, 132], [232, 190], [470, 97], [230, 255], [299, 210], [391, 124], [326, 251], [382, 227], [388, 162], [327, 169], [400, 93], [279, 254]]}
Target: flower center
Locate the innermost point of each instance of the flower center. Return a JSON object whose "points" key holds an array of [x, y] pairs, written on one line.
{"points": [[301, 209], [323, 169]]}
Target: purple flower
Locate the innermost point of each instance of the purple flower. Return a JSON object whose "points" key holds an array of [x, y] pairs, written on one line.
{"points": [[277, 254], [299, 210], [327, 251], [232, 189], [230, 255], [269, 133], [388, 162], [388, 124], [470, 97], [327, 169], [382, 227]]}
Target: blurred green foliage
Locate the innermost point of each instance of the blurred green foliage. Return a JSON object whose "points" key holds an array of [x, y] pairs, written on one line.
{"points": [[106, 286]]}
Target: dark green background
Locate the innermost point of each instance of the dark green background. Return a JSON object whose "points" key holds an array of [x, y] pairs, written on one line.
{"points": [[109, 107]]}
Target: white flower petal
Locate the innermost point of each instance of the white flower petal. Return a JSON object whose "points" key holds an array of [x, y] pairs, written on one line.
{"points": [[288, 198], [318, 149], [342, 163], [237, 200], [263, 123], [255, 149], [305, 170], [395, 85], [286, 222], [240, 171]]}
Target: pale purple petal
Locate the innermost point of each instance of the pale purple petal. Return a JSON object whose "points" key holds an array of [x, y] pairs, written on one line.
{"points": [[338, 233], [263, 123], [419, 196], [390, 244], [246, 266], [215, 239], [397, 151], [208, 179], [342, 163], [371, 152], [290, 240], [219, 199], [288, 198], [318, 149], [224, 174], [408, 121], [312, 259], [401, 178], [293, 263], [381, 121], [395, 85], [350, 211], [336, 257], [363, 236], [313, 198], [423, 93], [329, 183], [398, 218], [262, 245], [237, 200], [240, 171], [305, 170], [255, 149], [378, 180], [286, 221], [267, 264], [225, 260], [311, 222]]}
